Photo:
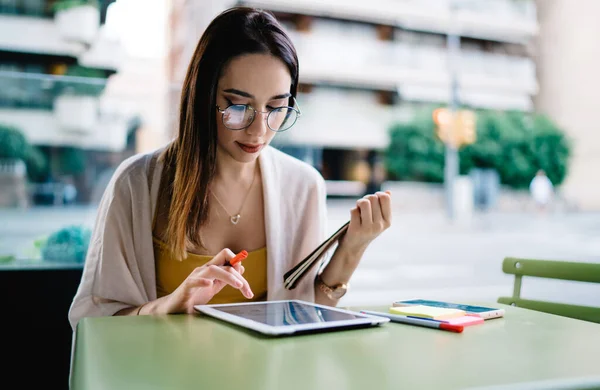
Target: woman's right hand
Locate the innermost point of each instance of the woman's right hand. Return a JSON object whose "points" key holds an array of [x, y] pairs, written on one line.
{"points": [[204, 282]]}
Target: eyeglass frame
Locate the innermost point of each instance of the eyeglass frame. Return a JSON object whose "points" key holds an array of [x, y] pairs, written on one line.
{"points": [[298, 112]]}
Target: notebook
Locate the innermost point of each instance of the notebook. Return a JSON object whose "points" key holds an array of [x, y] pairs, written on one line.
{"points": [[297, 273], [434, 313], [465, 320]]}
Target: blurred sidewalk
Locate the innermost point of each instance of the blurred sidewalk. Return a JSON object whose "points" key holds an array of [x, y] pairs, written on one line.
{"points": [[422, 255]]}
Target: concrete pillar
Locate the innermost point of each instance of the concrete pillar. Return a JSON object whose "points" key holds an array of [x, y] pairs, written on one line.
{"points": [[568, 60]]}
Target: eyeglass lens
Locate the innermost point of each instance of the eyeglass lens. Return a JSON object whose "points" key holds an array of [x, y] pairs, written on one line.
{"points": [[237, 117]]}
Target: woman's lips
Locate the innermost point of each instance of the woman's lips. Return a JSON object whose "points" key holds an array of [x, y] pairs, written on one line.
{"points": [[249, 148]]}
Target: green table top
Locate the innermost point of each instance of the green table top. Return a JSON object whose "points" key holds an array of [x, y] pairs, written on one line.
{"points": [[197, 352]]}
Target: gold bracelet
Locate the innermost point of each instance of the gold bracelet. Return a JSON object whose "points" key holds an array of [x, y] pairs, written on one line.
{"points": [[140, 308]]}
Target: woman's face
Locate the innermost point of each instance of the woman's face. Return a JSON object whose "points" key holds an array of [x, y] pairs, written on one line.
{"points": [[258, 80]]}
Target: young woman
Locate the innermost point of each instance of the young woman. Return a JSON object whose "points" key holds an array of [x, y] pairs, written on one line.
{"points": [[170, 220]]}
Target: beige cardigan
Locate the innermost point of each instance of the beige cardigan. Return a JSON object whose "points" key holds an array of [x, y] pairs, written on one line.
{"points": [[119, 270]]}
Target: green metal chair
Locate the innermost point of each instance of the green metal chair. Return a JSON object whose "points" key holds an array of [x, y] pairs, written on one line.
{"points": [[563, 270]]}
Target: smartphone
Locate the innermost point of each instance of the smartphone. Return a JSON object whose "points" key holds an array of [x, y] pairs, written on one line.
{"points": [[479, 311]]}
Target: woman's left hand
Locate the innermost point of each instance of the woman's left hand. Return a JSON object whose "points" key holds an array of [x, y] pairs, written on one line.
{"points": [[371, 216]]}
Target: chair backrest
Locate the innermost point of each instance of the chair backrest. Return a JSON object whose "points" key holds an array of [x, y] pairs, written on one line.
{"points": [[563, 270]]}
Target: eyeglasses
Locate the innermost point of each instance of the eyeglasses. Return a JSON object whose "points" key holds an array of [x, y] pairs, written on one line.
{"points": [[241, 116]]}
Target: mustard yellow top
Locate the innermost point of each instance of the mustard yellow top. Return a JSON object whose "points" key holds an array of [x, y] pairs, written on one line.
{"points": [[170, 273]]}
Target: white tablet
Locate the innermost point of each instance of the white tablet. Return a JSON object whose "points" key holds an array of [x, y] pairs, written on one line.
{"points": [[287, 317]]}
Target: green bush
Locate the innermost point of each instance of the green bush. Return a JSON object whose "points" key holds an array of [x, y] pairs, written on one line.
{"points": [[71, 161], [4, 259], [62, 5], [38, 166], [93, 87], [513, 143], [414, 152], [14, 145], [84, 71], [69, 244]]}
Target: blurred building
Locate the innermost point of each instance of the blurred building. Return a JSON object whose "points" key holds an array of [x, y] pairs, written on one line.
{"points": [[366, 64], [54, 66], [568, 59], [39, 55], [70, 86]]}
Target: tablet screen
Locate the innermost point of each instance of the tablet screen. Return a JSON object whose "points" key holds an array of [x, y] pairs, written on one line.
{"points": [[286, 313]]}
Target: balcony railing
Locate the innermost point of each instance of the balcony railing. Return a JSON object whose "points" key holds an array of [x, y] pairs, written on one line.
{"points": [[77, 33], [37, 8], [39, 91], [505, 10], [501, 20], [40, 8], [366, 62], [64, 110]]}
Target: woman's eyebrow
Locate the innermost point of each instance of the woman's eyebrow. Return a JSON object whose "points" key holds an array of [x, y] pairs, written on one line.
{"points": [[238, 92], [248, 95], [281, 96]]}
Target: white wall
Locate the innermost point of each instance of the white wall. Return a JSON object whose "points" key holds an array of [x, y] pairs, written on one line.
{"points": [[568, 61], [40, 35], [502, 20], [34, 35], [342, 119], [141, 83], [41, 128], [350, 54]]}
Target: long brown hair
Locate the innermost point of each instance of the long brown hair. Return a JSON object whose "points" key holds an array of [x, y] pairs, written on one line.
{"points": [[190, 160]]}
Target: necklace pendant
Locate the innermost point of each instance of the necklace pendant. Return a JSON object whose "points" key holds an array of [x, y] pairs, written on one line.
{"points": [[235, 219]]}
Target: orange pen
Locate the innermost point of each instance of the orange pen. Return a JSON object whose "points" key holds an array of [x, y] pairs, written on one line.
{"points": [[237, 258]]}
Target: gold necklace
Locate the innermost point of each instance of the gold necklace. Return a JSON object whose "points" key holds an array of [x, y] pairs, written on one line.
{"points": [[235, 218]]}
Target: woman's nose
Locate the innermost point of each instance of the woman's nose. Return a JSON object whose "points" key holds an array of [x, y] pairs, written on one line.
{"points": [[259, 125]]}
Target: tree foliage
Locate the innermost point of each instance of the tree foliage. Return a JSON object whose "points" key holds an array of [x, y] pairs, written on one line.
{"points": [[14, 145], [514, 143]]}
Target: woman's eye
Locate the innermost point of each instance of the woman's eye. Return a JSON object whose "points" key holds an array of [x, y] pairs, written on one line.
{"points": [[231, 103]]}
